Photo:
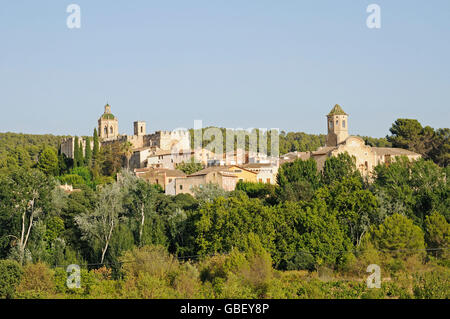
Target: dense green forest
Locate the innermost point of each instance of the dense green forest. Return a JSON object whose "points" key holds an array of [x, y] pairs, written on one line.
{"points": [[312, 235]]}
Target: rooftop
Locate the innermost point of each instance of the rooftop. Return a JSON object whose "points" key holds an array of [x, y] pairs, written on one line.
{"points": [[337, 110]]}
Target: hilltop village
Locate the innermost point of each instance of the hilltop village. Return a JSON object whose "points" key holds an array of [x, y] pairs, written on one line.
{"points": [[154, 157]]}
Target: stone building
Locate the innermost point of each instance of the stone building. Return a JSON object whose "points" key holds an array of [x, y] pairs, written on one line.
{"points": [[142, 143], [212, 175], [265, 172], [339, 141], [161, 176], [67, 147]]}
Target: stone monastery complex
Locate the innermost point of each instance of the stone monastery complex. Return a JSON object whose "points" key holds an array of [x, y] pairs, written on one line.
{"points": [[155, 156]]}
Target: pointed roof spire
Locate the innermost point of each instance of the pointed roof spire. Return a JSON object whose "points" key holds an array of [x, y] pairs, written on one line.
{"points": [[107, 114], [337, 110]]}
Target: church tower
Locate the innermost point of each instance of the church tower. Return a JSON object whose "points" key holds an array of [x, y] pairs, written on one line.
{"points": [[337, 126], [108, 125], [139, 128]]}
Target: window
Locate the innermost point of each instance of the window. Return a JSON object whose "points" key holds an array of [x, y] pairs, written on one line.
{"points": [[106, 130], [260, 180], [268, 181], [181, 187], [111, 130], [331, 124], [170, 180], [337, 122], [142, 129], [343, 123]]}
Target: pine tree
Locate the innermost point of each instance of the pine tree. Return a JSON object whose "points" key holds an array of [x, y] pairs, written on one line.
{"points": [[88, 152], [48, 161]]}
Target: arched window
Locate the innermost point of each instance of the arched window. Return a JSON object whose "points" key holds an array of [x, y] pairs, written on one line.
{"points": [[142, 129], [343, 123], [111, 130], [337, 122], [106, 130]]}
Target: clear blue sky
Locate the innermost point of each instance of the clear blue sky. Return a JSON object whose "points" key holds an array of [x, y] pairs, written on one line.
{"points": [[237, 64]]}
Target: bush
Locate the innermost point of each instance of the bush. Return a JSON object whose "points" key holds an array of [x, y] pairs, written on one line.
{"points": [[10, 275], [152, 260], [37, 282], [432, 285]]}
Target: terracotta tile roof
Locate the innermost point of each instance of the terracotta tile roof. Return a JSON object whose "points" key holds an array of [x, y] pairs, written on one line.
{"points": [[155, 171], [392, 151], [324, 150], [258, 165], [211, 169], [292, 156]]}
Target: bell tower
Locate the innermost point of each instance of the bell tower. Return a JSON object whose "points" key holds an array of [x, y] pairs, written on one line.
{"points": [[108, 124], [139, 128], [337, 122]]}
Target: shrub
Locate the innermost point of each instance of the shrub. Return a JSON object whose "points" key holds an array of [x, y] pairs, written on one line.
{"points": [[10, 275], [432, 285], [37, 282]]}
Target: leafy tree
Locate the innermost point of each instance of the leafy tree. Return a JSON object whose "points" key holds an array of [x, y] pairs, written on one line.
{"points": [[139, 199], [99, 224], [321, 234], [356, 208], [339, 167], [208, 192], [24, 196], [262, 191], [190, 167], [224, 223], [127, 151], [48, 162], [416, 188], [111, 159], [298, 180]]}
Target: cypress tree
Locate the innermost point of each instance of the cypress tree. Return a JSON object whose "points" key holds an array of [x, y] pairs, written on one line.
{"points": [[76, 151], [96, 146], [88, 152], [80, 154]]}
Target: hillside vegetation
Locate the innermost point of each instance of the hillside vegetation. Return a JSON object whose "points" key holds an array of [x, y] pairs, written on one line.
{"points": [[312, 235]]}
